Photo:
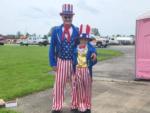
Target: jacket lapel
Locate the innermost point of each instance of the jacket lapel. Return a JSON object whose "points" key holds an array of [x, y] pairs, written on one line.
{"points": [[73, 32], [60, 33]]}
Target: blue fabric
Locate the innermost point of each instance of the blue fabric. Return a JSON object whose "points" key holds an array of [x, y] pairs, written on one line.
{"points": [[89, 60], [84, 35], [56, 41], [66, 51]]}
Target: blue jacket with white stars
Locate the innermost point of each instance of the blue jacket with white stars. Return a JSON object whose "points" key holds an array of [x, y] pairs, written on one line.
{"points": [[90, 62], [56, 40]]}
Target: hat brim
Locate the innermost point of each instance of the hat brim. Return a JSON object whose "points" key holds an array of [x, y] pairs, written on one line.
{"points": [[89, 39], [66, 14]]}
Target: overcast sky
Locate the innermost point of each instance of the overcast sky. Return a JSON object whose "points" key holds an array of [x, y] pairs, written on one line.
{"points": [[38, 16]]}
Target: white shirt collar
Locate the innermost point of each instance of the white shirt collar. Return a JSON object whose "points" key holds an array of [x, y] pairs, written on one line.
{"points": [[70, 30]]}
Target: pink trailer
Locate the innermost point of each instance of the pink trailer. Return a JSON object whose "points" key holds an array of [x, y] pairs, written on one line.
{"points": [[143, 47]]}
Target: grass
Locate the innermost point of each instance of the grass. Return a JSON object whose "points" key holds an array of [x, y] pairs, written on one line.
{"points": [[7, 111], [104, 54], [24, 70]]}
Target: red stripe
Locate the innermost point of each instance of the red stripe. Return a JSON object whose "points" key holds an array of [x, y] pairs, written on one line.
{"points": [[58, 86], [81, 27], [88, 29], [74, 93], [84, 88], [63, 72]]}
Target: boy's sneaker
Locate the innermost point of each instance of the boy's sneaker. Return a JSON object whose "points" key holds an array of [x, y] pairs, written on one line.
{"points": [[88, 111], [54, 111], [82, 112], [74, 111]]}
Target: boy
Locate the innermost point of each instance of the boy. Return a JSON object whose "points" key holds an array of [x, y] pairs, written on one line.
{"points": [[82, 64]]}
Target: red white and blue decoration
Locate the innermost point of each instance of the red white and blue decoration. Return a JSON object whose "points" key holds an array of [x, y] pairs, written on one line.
{"points": [[85, 31], [67, 9]]}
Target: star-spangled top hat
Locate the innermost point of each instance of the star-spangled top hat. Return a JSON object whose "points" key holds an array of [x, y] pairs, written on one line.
{"points": [[85, 31], [67, 9]]}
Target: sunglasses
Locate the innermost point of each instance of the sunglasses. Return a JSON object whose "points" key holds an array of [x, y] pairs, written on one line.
{"points": [[67, 17]]}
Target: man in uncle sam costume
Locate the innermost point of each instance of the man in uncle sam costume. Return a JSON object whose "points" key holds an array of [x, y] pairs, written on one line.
{"points": [[63, 42], [82, 64]]}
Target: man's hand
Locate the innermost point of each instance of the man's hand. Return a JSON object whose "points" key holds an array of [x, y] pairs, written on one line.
{"points": [[93, 56], [54, 68]]}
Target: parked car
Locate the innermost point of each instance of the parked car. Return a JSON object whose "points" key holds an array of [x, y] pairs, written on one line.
{"points": [[113, 41], [121, 41], [2, 40], [32, 40], [43, 43], [24, 44], [101, 42]]}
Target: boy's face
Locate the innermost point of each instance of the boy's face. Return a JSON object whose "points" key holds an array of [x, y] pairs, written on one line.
{"points": [[83, 41], [94, 41]]}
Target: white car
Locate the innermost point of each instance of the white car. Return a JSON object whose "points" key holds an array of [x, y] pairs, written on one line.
{"points": [[100, 41]]}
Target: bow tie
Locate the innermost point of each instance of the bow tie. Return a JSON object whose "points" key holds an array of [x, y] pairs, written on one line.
{"points": [[82, 46]]}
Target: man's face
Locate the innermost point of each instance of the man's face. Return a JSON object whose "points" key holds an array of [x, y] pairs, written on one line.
{"points": [[67, 19]]}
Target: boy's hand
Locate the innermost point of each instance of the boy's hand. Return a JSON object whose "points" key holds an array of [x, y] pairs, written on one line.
{"points": [[93, 56], [54, 68]]}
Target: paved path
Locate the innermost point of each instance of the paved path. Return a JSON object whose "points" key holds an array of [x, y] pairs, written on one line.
{"points": [[113, 89], [121, 68]]}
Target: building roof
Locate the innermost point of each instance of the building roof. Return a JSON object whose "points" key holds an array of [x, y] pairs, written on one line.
{"points": [[144, 16]]}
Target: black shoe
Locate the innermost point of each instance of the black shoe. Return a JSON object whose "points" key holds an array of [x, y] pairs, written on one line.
{"points": [[74, 111], [82, 112], [54, 111], [88, 111]]}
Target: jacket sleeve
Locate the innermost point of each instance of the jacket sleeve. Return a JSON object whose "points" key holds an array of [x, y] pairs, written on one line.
{"points": [[52, 49], [91, 62], [77, 36], [92, 50]]}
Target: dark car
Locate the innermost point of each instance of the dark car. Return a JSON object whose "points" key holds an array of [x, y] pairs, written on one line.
{"points": [[23, 44], [43, 43], [2, 40]]}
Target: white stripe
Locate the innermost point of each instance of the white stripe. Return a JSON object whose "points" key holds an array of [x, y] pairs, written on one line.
{"points": [[84, 29], [67, 7], [72, 7], [64, 7], [58, 38]]}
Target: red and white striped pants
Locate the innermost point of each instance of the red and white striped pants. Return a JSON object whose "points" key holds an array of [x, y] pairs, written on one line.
{"points": [[64, 73], [84, 85]]}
